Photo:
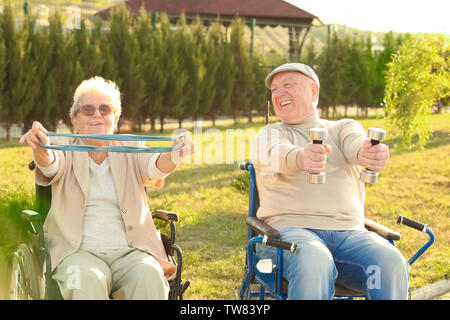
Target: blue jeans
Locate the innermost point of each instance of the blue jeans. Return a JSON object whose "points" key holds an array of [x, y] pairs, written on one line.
{"points": [[358, 259]]}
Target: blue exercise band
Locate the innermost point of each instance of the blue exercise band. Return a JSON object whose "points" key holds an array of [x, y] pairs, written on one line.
{"points": [[114, 137]]}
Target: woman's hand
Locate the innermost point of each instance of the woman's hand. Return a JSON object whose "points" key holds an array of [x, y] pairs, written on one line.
{"points": [[187, 149], [42, 156], [168, 161]]}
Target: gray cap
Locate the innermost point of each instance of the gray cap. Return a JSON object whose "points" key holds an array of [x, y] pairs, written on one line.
{"points": [[300, 67]]}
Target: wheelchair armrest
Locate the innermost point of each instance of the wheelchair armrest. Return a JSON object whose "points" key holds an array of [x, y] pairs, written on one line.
{"points": [[165, 215], [381, 230], [262, 228], [31, 216]]}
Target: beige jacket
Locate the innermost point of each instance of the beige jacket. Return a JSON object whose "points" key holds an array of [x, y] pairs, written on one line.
{"points": [[70, 187]]}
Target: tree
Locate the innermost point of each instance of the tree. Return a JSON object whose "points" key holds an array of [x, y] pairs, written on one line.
{"points": [[240, 98], [88, 50], [151, 48], [124, 53], [177, 77], [190, 43], [258, 93], [209, 64], [331, 74], [37, 40], [417, 77], [18, 71], [2, 74], [374, 87], [64, 71], [391, 43], [224, 77]]}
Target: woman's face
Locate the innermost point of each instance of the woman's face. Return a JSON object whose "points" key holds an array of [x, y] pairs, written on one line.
{"points": [[95, 115]]}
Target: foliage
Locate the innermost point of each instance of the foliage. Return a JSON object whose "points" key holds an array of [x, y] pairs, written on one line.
{"points": [[124, 51], [18, 71], [240, 98], [418, 76]]}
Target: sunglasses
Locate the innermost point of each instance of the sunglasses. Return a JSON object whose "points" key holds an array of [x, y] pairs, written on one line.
{"points": [[89, 110]]}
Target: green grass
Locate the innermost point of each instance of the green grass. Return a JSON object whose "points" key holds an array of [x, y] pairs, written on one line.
{"points": [[212, 200]]}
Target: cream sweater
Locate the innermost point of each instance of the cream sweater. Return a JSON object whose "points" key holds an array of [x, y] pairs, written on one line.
{"points": [[286, 198]]}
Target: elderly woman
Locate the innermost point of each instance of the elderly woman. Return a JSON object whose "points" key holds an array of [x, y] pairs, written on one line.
{"points": [[101, 237]]}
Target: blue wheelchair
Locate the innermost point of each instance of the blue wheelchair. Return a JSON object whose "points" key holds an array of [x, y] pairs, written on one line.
{"points": [[263, 279]]}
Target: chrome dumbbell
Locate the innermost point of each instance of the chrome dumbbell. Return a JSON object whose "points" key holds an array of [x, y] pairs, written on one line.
{"points": [[375, 135], [317, 135]]}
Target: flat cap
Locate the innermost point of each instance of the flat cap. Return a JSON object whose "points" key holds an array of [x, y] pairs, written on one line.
{"points": [[300, 67]]}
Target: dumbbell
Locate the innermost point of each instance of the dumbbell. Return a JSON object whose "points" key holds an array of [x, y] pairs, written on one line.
{"points": [[317, 135], [375, 135]]}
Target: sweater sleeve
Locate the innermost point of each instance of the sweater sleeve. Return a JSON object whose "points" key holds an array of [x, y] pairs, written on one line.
{"points": [[272, 151], [51, 170], [146, 162], [351, 135], [46, 176], [153, 171]]}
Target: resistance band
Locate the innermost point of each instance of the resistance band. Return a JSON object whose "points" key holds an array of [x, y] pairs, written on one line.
{"points": [[113, 137]]}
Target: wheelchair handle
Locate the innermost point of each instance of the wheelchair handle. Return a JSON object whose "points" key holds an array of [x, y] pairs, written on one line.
{"points": [[412, 223], [279, 244]]}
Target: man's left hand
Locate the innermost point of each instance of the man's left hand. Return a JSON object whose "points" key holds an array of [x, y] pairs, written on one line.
{"points": [[375, 157]]}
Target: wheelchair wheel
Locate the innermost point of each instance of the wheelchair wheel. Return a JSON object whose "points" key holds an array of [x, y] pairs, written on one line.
{"points": [[24, 282]]}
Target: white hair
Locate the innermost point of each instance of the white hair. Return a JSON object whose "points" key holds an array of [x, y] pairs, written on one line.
{"points": [[98, 85]]}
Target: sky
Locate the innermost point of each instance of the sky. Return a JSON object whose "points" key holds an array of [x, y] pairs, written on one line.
{"points": [[412, 16]]}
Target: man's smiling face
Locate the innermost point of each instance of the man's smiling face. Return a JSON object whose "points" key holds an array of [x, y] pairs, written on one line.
{"points": [[293, 96]]}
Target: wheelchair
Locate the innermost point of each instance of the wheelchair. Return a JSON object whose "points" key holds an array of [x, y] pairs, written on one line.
{"points": [[28, 281], [263, 279]]}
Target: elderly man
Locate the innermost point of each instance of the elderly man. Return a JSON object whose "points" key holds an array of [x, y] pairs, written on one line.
{"points": [[325, 220]]}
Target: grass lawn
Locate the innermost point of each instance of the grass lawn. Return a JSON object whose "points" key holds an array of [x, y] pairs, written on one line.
{"points": [[211, 200]]}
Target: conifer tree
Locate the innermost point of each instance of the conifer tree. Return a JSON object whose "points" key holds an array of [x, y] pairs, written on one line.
{"points": [[240, 98], [124, 53], [151, 48], [189, 59], [2, 75], [208, 64], [224, 77], [37, 40], [88, 49], [177, 77], [18, 71], [64, 72], [331, 74]]}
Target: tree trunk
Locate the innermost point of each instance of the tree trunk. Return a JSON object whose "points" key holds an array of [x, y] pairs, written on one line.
{"points": [[152, 124], [161, 122], [8, 133]]}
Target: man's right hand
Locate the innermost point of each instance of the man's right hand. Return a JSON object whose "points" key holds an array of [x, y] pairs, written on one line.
{"points": [[42, 156], [313, 157]]}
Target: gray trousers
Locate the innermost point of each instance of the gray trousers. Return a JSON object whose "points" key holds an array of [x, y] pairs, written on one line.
{"points": [[119, 274]]}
